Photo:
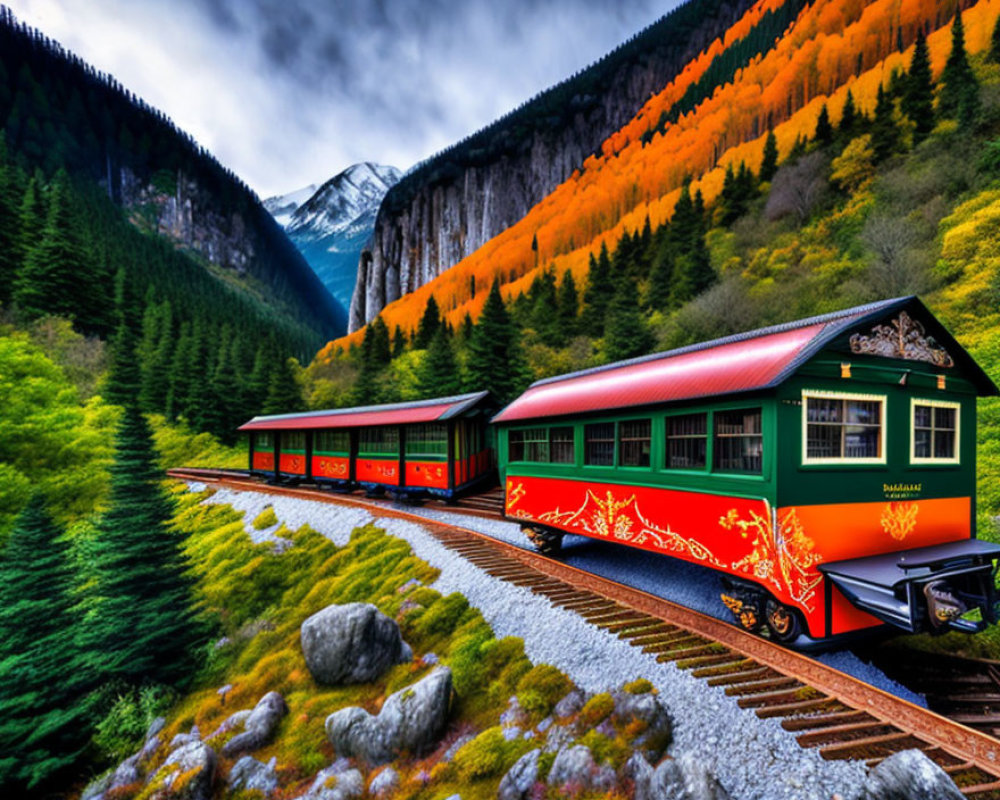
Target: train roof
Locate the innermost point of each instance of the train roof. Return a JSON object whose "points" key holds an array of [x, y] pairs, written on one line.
{"points": [[745, 362], [437, 409]]}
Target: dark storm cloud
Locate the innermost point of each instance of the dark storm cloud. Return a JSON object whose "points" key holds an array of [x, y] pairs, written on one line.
{"points": [[288, 92]]}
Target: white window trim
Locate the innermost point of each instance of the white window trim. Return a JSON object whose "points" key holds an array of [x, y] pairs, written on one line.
{"points": [[919, 401], [824, 395]]}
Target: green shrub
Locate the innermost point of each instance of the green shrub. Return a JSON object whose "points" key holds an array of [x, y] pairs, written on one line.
{"points": [[541, 687], [121, 731], [265, 519], [442, 617], [606, 749], [597, 709], [639, 686], [489, 755]]}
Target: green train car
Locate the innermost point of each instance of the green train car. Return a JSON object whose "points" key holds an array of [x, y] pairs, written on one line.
{"points": [[825, 468]]}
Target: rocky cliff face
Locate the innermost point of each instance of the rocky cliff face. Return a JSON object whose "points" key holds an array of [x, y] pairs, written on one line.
{"points": [[237, 237], [453, 204]]}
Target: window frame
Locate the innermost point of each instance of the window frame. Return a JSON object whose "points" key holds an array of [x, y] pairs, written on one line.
{"points": [[526, 443], [301, 444], [421, 444], [706, 436], [715, 436], [572, 445], [843, 461], [614, 445], [379, 455], [932, 460], [620, 443], [322, 449]]}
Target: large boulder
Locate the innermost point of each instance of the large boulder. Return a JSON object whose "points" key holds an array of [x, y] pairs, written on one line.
{"points": [[651, 711], [251, 775], [682, 778], [520, 778], [411, 720], [353, 643], [335, 783], [573, 771], [188, 773], [909, 774], [259, 726]]}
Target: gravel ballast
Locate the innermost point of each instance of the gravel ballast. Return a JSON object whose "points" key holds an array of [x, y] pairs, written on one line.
{"points": [[754, 759]]}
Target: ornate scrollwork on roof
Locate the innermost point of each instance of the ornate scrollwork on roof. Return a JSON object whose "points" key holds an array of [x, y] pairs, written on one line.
{"points": [[904, 338]]}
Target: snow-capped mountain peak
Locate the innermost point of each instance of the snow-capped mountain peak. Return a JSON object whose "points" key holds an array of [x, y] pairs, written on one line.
{"points": [[282, 206], [331, 224], [338, 203]]}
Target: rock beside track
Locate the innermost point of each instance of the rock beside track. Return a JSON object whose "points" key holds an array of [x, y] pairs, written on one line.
{"points": [[907, 775], [259, 726], [411, 720], [352, 643]]}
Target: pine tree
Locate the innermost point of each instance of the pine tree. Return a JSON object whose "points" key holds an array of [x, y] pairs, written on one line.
{"points": [[49, 280], [885, 133], [465, 331], [567, 307], [600, 288], [660, 279], [918, 95], [543, 309], [494, 351], [824, 130], [769, 163], [959, 93], [429, 324], [156, 354], [381, 349], [626, 334], [439, 372], [44, 677], [9, 239], [398, 342], [141, 626], [124, 379], [848, 117], [31, 216], [284, 395]]}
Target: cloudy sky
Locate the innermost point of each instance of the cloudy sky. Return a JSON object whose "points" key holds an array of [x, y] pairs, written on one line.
{"points": [[290, 92]]}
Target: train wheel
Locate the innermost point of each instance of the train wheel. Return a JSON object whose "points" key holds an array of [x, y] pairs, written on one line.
{"points": [[745, 606], [546, 542], [782, 621]]}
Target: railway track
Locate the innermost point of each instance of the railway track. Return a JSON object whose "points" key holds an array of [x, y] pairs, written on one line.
{"points": [[840, 716]]}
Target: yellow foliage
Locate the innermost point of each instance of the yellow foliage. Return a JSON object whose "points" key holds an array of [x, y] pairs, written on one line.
{"points": [[854, 168]]}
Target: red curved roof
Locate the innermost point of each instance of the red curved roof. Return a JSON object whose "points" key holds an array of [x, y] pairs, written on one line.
{"points": [[436, 410], [733, 367]]}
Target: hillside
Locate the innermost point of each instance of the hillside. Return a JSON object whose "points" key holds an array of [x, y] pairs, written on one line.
{"points": [[56, 112], [830, 48], [452, 204]]}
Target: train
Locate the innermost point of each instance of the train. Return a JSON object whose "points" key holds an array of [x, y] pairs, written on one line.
{"points": [[823, 469]]}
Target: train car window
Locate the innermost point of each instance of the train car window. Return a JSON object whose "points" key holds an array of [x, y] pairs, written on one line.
{"points": [[427, 440], [634, 442], [687, 441], [599, 444], [935, 432], [515, 446], [263, 441], [333, 441], [536, 445], [382, 441], [561, 447], [293, 441], [844, 428], [739, 441]]}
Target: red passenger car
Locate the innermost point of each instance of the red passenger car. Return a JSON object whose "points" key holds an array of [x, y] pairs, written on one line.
{"points": [[429, 447]]}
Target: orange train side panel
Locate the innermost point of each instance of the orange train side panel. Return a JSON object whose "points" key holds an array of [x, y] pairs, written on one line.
{"points": [[292, 463], [263, 460], [779, 550], [427, 474], [334, 467], [853, 530], [378, 470]]}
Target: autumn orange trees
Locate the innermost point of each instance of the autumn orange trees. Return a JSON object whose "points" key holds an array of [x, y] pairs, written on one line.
{"points": [[833, 47]]}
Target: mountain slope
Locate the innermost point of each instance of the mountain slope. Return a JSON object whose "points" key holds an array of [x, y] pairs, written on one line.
{"points": [[831, 47], [452, 204], [58, 112], [332, 225]]}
